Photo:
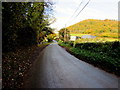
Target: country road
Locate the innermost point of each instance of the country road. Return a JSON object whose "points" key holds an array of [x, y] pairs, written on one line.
{"points": [[56, 68]]}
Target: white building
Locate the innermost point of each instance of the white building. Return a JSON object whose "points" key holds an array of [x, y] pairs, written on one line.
{"points": [[73, 38]]}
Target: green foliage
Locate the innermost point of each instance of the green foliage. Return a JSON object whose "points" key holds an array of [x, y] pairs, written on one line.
{"points": [[95, 40], [51, 37], [103, 55], [65, 44], [24, 24], [28, 36], [108, 62], [102, 28], [64, 34], [108, 48]]}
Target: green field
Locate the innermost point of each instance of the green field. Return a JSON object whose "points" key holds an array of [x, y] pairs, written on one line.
{"points": [[78, 34], [97, 39]]}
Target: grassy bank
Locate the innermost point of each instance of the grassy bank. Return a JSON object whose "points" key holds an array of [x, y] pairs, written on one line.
{"points": [[16, 65], [102, 55]]}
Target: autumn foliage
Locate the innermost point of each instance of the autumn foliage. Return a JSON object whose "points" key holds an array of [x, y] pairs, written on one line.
{"points": [[102, 28]]}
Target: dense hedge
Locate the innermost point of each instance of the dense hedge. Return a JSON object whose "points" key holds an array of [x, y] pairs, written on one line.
{"points": [[103, 55], [109, 48]]}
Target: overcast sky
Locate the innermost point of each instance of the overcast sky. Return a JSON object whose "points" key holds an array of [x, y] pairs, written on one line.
{"points": [[96, 9]]}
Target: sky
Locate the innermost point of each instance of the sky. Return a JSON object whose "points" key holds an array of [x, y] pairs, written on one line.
{"points": [[63, 11]]}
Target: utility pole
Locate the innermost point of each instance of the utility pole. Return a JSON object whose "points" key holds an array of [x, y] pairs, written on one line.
{"points": [[65, 34]]}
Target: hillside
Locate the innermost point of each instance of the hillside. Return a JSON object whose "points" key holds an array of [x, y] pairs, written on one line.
{"points": [[102, 28]]}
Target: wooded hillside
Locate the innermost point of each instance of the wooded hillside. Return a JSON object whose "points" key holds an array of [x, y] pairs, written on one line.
{"points": [[102, 28]]}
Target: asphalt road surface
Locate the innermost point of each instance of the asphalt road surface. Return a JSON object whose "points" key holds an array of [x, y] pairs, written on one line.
{"points": [[56, 68]]}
